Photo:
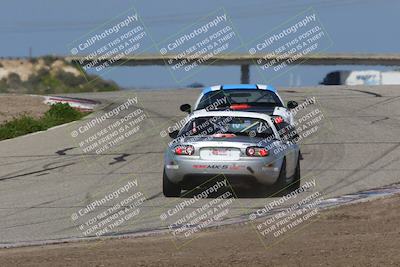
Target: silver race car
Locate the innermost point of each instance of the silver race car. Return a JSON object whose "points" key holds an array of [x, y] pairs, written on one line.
{"points": [[244, 147]]}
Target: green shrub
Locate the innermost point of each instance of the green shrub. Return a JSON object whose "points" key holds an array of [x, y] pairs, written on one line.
{"points": [[101, 85], [3, 86], [36, 78], [57, 114], [14, 80], [20, 126], [70, 79], [61, 113]]}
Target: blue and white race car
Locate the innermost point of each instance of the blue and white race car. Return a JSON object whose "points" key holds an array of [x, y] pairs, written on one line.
{"points": [[243, 97]]}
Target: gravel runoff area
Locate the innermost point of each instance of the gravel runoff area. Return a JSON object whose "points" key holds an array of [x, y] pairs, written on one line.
{"points": [[362, 234], [12, 106]]}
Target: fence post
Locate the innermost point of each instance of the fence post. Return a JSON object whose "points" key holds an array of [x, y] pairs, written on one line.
{"points": [[244, 73]]}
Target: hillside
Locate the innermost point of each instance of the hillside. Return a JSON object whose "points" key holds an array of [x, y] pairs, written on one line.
{"points": [[48, 75]]}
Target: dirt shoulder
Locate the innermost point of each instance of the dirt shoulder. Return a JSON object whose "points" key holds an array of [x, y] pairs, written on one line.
{"points": [[16, 105], [364, 234]]}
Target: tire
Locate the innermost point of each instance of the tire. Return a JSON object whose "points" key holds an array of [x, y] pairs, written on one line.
{"points": [[296, 177], [169, 188], [281, 183]]}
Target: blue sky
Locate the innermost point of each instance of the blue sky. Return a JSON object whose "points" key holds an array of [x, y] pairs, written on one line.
{"points": [[48, 27]]}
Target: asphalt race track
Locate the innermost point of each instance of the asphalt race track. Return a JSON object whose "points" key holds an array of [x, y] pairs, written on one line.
{"points": [[45, 177]]}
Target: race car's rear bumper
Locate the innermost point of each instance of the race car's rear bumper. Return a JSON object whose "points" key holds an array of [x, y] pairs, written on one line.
{"points": [[188, 171]]}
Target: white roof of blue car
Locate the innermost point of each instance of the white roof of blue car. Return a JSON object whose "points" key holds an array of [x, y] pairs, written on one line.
{"points": [[229, 113], [238, 87]]}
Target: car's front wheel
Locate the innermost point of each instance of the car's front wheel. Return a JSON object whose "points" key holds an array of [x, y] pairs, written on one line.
{"points": [[169, 188]]}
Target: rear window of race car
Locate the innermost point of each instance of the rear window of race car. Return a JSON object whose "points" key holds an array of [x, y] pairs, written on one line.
{"points": [[236, 126]]}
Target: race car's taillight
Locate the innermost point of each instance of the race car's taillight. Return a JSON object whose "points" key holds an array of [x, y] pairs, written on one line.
{"points": [[184, 150], [278, 120], [253, 151]]}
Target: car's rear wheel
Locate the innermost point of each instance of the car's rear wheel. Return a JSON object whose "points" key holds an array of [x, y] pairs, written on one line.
{"points": [[169, 188], [296, 177], [281, 183]]}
